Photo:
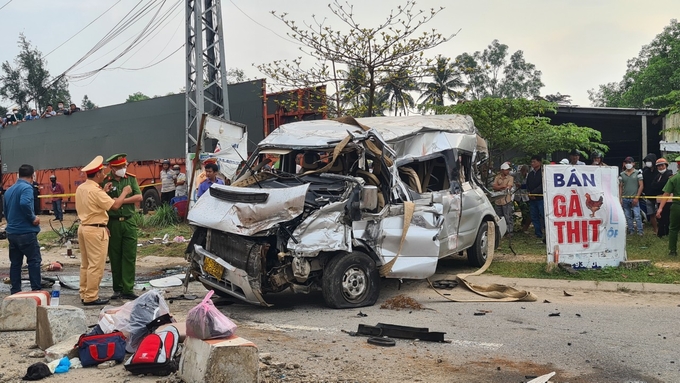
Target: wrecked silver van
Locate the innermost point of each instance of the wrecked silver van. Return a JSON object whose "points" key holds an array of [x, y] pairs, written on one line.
{"points": [[343, 200]]}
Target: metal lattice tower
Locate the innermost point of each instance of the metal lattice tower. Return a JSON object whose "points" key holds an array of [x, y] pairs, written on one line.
{"points": [[206, 72]]}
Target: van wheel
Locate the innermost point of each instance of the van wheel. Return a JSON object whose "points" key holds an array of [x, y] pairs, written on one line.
{"points": [[476, 254], [150, 199], [350, 280]]}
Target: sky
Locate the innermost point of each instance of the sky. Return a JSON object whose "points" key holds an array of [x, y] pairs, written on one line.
{"points": [[577, 44]]}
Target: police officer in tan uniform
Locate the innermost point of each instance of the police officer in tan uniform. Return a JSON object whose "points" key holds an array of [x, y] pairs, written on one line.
{"points": [[92, 204]]}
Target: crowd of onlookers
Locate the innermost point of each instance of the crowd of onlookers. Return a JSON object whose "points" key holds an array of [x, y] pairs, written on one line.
{"points": [[14, 117], [646, 190]]}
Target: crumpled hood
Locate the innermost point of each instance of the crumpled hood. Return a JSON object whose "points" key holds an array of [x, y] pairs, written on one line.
{"points": [[650, 157], [247, 211]]}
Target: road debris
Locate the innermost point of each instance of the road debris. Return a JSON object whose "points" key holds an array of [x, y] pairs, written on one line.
{"points": [[401, 301], [403, 332]]}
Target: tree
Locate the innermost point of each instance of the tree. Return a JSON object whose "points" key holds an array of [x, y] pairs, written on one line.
{"points": [[87, 104], [235, 75], [137, 96], [491, 74], [396, 88], [654, 72], [396, 43], [445, 80], [558, 98], [29, 80], [519, 125]]}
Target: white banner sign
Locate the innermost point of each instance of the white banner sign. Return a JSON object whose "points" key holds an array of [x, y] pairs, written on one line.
{"points": [[584, 220]]}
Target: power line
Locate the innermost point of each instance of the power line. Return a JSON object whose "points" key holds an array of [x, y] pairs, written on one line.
{"points": [[85, 27], [263, 26], [154, 64], [6, 4]]}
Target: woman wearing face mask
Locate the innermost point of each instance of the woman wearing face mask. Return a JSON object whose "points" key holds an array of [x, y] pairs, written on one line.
{"points": [[656, 189], [630, 190]]}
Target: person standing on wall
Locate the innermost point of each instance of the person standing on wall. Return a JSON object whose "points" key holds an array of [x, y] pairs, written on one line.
{"points": [[57, 190], [168, 177], [535, 190], [122, 228], [92, 204], [22, 230]]}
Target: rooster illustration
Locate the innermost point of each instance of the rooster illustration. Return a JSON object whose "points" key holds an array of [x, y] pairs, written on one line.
{"points": [[593, 206]]}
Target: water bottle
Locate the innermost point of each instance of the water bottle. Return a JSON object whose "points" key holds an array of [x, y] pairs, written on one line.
{"points": [[56, 290]]}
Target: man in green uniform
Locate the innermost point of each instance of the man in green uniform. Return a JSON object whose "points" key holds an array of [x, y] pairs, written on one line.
{"points": [[123, 240], [672, 189]]}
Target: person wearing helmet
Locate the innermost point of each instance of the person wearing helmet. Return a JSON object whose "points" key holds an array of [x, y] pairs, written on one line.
{"points": [[596, 157], [168, 177], [656, 189]]}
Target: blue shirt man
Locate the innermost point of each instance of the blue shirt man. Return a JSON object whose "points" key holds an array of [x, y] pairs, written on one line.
{"points": [[33, 115], [22, 230], [211, 174]]}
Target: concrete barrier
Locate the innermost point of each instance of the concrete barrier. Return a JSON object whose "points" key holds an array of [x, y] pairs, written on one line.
{"points": [[18, 311], [232, 359], [57, 323], [64, 348]]}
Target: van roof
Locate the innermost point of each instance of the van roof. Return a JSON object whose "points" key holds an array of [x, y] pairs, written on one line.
{"points": [[327, 133]]}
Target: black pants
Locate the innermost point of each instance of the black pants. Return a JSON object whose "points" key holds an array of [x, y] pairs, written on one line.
{"points": [[167, 196], [664, 221]]}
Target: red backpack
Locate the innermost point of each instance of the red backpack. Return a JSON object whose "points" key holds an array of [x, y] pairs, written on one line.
{"points": [[156, 354]]}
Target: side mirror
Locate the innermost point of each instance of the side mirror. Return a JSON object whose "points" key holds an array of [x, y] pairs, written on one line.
{"points": [[369, 197]]}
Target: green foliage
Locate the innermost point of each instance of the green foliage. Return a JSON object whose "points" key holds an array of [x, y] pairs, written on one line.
{"points": [[671, 102], [445, 80], [137, 96], [87, 104], [654, 72], [30, 81], [491, 73], [517, 125], [533, 253], [164, 216], [235, 75], [395, 45]]}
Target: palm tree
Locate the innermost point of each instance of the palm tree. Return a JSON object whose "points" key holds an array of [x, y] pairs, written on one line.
{"points": [[397, 87], [445, 80], [353, 90]]}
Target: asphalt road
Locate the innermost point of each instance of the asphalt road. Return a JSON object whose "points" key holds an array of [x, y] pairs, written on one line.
{"points": [[603, 333]]}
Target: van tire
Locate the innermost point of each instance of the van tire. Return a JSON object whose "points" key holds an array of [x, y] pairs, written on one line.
{"points": [[476, 255], [150, 199], [350, 280]]}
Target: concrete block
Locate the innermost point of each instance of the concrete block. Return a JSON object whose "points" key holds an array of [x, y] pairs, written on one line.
{"points": [[64, 348], [18, 311], [181, 329], [57, 323], [232, 359]]}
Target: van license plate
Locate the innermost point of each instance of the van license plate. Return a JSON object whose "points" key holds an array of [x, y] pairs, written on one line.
{"points": [[213, 268]]}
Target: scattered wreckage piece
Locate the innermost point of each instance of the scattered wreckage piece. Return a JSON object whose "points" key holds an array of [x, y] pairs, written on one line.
{"points": [[543, 378], [381, 341], [402, 332]]}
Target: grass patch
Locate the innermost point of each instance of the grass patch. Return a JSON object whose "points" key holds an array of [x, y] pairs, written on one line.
{"points": [[171, 249], [530, 261]]}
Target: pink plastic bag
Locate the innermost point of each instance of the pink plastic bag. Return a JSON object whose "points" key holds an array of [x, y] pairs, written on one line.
{"points": [[205, 321]]}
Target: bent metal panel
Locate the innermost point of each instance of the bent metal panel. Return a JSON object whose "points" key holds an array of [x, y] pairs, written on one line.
{"points": [[584, 220]]}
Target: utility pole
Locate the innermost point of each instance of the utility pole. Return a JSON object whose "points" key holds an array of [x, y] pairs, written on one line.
{"points": [[206, 72]]}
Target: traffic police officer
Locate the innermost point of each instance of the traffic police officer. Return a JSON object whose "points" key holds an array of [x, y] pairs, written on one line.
{"points": [[123, 242], [92, 203]]}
